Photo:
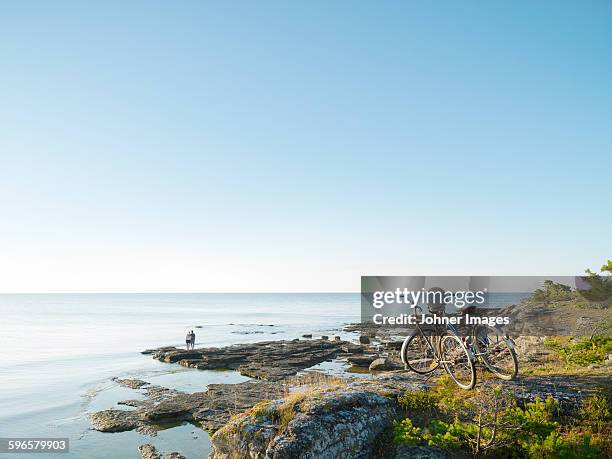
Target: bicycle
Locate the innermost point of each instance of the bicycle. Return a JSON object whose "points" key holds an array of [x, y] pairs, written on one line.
{"points": [[486, 343], [423, 354]]}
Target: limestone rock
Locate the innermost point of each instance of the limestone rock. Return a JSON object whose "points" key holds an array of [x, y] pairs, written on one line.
{"points": [[211, 409], [341, 421], [269, 360], [379, 364], [148, 451], [363, 361], [131, 383], [350, 348]]}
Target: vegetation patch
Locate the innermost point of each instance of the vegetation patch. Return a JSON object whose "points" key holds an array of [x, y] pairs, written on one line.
{"points": [[582, 352], [490, 423]]}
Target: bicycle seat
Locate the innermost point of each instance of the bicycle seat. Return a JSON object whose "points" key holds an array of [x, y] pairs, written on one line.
{"points": [[469, 310]]}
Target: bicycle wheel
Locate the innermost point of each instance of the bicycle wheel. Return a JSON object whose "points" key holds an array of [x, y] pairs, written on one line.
{"points": [[418, 353], [496, 351], [457, 362]]}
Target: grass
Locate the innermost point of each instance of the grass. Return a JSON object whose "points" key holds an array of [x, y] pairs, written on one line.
{"points": [[568, 356], [298, 392], [310, 380]]}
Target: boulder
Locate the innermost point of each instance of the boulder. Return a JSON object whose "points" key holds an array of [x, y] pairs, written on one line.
{"points": [[337, 421], [362, 360], [395, 345], [363, 339], [379, 364], [148, 451], [115, 420]]}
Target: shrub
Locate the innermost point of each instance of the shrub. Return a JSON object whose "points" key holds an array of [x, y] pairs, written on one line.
{"points": [[595, 412], [553, 291], [455, 435], [405, 433], [583, 352], [559, 446], [532, 424], [418, 400]]}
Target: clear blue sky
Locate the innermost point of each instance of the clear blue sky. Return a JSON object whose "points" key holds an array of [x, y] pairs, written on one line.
{"points": [[277, 146]]}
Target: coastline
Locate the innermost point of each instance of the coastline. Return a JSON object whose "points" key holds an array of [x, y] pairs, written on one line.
{"points": [[80, 342], [286, 409], [176, 430], [230, 413]]}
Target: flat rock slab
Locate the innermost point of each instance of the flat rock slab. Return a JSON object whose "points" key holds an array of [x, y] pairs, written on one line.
{"points": [[267, 360], [210, 409], [131, 383], [340, 421]]}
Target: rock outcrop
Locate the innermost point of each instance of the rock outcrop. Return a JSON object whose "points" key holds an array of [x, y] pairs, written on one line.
{"points": [[210, 409], [269, 360], [329, 421], [384, 364]]}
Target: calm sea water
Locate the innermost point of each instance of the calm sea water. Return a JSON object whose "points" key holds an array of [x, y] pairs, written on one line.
{"points": [[58, 354]]}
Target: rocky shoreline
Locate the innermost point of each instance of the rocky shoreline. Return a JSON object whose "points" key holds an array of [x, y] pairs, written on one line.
{"points": [[267, 360], [269, 363], [282, 413]]}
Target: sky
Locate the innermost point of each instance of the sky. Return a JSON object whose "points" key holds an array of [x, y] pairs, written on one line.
{"points": [[283, 146]]}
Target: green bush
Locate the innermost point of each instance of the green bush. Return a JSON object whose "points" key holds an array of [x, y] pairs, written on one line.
{"points": [[405, 433], [553, 291], [558, 446], [422, 400], [600, 285], [595, 412], [532, 424], [497, 426], [455, 435], [585, 351]]}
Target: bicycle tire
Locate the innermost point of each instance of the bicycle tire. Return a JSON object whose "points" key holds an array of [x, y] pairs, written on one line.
{"points": [[429, 353], [467, 361], [507, 347]]}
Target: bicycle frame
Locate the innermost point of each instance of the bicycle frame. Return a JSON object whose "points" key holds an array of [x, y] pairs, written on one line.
{"points": [[435, 347]]}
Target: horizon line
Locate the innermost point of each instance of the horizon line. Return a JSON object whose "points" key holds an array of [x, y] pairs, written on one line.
{"points": [[170, 292]]}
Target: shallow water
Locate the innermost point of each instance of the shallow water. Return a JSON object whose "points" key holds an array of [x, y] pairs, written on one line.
{"points": [[58, 354]]}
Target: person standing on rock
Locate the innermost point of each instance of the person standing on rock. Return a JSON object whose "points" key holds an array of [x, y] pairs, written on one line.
{"points": [[188, 340], [192, 339]]}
